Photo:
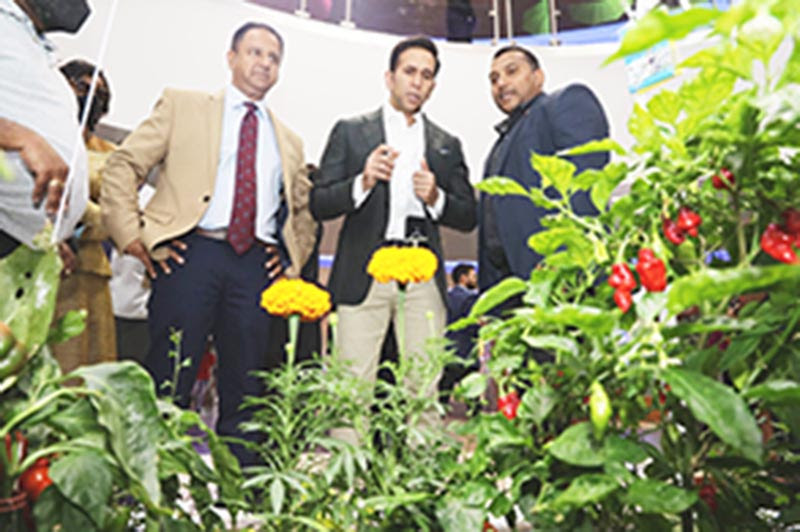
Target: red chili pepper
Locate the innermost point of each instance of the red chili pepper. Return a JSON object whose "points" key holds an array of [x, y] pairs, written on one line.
{"points": [[508, 404], [621, 277], [36, 478], [720, 182], [651, 270], [688, 220], [707, 491], [623, 299], [791, 221], [778, 244], [673, 233]]}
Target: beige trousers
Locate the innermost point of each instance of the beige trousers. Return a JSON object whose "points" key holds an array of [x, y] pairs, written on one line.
{"points": [[362, 328]]}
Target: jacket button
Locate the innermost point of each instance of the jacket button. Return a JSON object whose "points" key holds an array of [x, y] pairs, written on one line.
{"points": [[206, 198]]}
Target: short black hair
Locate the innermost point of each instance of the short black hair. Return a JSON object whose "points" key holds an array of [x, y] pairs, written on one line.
{"points": [[461, 269], [417, 41], [238, 35], [74, 71], [532, 60]]}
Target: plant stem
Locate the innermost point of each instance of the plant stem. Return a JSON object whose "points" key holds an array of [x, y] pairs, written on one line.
{"points": [[291, 347], [400, 333]]}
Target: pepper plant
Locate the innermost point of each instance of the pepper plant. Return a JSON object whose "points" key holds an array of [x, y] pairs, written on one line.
{"points": [[666, 397]]}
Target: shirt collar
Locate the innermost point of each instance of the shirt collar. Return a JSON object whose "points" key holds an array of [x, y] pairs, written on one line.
{"points": [[235, 99], [394, 117], [505, 126]]}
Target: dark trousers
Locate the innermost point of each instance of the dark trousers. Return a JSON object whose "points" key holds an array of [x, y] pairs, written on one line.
{"points": [[133, 339], [215, 292]]}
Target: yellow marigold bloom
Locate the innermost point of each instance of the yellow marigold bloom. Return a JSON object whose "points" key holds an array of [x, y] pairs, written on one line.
{"points": [[296, 296], [403, 264]]}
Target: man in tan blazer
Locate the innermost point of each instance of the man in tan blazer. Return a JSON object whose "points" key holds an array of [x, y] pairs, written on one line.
{"points": [[230, 214]]}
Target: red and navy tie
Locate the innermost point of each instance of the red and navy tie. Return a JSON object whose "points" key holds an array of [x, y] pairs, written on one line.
{"points": [[241, 229]]}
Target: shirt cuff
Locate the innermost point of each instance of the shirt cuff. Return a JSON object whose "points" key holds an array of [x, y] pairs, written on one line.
{"points": [[358, 192], [438, 207]]}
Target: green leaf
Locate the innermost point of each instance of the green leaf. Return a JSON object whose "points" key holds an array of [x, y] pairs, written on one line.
{"points": [[85, 479], [69, 326], [622, 450], [538, 402], [713, 285], [53, 511], [540, 285], [576, 446], [454, 515], [473, 385], [554, 171], [594, 146], [658, 25], [791, 72], [776, 392], [538, 197], [720, 408], [709, 324], [277, 492], [644, 130], [127, 408], [654, 496], [505, 289], [29, 283], [665, 106], [76, 419], [501, 186], [551, 342], [548, 241], [587, 489], [592, 320]]}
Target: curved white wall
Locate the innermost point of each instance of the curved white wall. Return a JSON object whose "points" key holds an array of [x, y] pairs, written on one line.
{"points": [[328, 71]]}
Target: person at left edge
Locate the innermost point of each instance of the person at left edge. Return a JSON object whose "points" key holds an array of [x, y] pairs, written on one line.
{"points": [[38, 128], [229, 215]]}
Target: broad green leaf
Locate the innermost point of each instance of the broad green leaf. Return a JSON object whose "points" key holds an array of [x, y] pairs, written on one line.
{"points": [[713, 285], [548, 241], [665, 106], [454, 515], [551, 342], [720, 408], [540, 285], [644, 130], [709, 324], [86, 480], [29, 283], [736, 61], [70, 325], [473, 385], [734, 16], [537, 402], [53, 511], [127, 408], [75, 420], [594, 146], [593, 321], [791, 71], [654, 496], [623, 450], [539, 198], [576, 446], [554, 171], [501, 186], [587, 489], [707, 91], [776, 392], [277, 492], [658, 25], [502, 291]]}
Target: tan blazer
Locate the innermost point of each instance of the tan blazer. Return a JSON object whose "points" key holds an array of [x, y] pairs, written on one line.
{"points": [[183, 134]]}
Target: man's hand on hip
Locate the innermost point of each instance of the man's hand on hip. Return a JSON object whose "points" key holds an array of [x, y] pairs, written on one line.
{"points": [[379, 165], [48, 168], [425, 185], [139, 250], [273, 264]]}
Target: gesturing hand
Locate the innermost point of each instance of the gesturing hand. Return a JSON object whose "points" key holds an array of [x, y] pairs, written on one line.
{"points": [[425, 184], [379, 165]]}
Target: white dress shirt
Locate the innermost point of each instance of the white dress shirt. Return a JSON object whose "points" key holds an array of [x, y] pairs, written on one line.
{"points": [[268, 170], [34, 94], [409, 142]]}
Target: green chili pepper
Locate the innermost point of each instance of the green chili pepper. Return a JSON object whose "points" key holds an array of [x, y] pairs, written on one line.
{"points": [[13, 361], [599, 409]]}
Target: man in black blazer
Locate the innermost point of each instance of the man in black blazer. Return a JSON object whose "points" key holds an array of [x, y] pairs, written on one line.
{"points": [[536, 122], [388, 171]]}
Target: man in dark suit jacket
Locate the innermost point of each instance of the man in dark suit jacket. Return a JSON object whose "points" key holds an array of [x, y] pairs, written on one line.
{"points": [[460, 299], [537, 122], [386, 171]]}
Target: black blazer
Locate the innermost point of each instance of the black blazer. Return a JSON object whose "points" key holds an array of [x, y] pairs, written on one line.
{"points": [[349, 145], [553, 122]]}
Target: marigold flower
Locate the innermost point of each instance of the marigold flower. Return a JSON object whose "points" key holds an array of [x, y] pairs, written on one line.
{"points": [[404, 264], [286, 297]]}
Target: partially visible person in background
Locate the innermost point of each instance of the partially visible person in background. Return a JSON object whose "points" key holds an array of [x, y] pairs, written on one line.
{"points": [[460, 299], [130, 290], [86, 270], [38, 127]]}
